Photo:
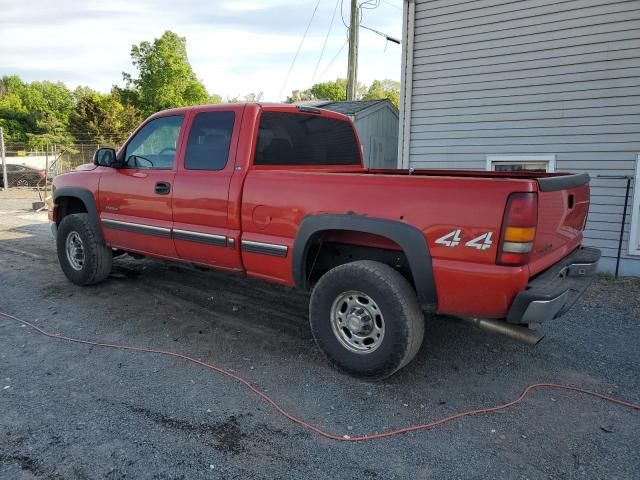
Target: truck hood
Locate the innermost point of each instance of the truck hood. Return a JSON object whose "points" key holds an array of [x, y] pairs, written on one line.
{"points": [[86, 167]]}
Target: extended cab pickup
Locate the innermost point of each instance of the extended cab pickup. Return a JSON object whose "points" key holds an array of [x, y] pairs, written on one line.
{"points": [[279, 192]]}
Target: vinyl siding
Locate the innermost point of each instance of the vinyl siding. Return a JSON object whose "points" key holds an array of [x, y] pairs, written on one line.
{"points": [[495, 77]]}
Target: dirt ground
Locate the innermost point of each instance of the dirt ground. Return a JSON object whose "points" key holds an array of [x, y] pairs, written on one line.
{"points": [[70, 411]]}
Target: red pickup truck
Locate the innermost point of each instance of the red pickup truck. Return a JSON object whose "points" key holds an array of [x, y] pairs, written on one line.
{"points": [[279, 192]]}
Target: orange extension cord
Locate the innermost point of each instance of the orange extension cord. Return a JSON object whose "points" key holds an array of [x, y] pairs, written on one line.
{"points": [[302, 423]]}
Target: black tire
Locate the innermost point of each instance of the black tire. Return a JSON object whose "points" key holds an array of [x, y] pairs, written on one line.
{"points": [[97, 257], [392, 295]]}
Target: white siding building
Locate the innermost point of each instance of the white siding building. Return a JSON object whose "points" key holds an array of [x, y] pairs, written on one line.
{"points": [[530, 84]]}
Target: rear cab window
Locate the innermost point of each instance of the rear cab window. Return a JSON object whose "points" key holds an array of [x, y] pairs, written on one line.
{"points": [[209, 141], [286, 138]]}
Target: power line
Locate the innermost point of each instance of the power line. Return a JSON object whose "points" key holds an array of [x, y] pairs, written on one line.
{"points": [[299, 47], [334, 59], [342, 15], [335, 9], [373, 4], [392, 5], [387, 37]]}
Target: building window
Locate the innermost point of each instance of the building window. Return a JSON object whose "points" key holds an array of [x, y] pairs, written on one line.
{"points": [[634, 237], [521, 163]]}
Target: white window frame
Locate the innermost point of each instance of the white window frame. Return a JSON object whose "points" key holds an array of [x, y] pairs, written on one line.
{"points": [[549, 159], [634, 234]]}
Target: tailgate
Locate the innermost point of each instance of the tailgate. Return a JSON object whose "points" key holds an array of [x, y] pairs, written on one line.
{"points": [[563, 205]]}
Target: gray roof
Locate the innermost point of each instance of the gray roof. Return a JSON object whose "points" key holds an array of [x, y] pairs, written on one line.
{"points": [[348, 108]]}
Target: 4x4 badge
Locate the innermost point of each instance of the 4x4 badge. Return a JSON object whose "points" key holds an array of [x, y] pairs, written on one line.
{"points": [[453, 239]]}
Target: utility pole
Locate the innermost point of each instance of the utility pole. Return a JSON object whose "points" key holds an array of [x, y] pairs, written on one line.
{"points": [[352, 70], [5, 181]]}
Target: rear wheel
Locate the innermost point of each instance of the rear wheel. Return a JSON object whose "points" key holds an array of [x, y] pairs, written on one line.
{"points": [[84, 259], [366, 319]]}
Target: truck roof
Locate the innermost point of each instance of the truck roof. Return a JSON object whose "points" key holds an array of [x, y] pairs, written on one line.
{"points": [[284, 107]]}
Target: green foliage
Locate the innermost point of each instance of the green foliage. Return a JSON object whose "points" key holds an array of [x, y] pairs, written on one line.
{"points": [[248, 98], [380, 89], [214, 98], [165, 77], [102, 119], [35, 113], [41, 113], [335, 91]]}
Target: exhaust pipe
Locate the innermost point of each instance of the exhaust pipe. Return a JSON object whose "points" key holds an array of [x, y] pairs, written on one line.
{"points": [[521, 334]]}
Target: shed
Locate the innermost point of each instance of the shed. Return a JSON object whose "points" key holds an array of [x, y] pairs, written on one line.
{"points": [[530, 85], [376, 122]]}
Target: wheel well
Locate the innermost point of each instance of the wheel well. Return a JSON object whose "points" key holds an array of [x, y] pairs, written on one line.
{"points": [[69, 205], [330, 248]]}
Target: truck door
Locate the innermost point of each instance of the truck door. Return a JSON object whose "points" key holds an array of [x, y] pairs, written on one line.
{"points": [[202, 231], [135, 200]]}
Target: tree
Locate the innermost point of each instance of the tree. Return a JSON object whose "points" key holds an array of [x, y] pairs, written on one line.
{"points": [[299, 96], [14, 116], [102, 118], [248, 98], [165, 77], [334, 91], [380, 89], [214, 98], [35, 113]]}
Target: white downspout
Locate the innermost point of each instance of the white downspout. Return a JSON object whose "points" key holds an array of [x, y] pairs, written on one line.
{"points": [[406, 82]]}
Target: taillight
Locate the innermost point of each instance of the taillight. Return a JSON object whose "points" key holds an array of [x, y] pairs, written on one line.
{"points": [[518, 229]]}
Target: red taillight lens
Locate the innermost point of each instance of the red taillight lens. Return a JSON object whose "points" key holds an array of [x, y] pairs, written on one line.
{"points": [[518, 229]]}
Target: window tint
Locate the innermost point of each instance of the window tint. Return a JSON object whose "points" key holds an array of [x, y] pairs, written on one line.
{"points": [[154, 146], [301, 139], [209, 140]]}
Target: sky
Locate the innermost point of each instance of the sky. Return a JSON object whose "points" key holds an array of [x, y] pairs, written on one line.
{"points": [[235, 47]]}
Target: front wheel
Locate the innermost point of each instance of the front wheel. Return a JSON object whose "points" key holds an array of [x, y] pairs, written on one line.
{"points": [[84, 259], [366, 319]]}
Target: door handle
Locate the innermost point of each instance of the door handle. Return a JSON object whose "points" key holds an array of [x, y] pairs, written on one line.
{"points": [[163, 188]]}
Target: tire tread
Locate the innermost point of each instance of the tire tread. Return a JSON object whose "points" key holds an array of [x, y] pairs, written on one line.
{"points": [[403, 295], [98, 256]]}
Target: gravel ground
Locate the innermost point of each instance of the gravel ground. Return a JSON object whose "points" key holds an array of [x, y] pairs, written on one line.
{"points": [[70, 411]]}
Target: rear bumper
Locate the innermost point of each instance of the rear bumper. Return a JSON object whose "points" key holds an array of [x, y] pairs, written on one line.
{"points": [[553, 292]]}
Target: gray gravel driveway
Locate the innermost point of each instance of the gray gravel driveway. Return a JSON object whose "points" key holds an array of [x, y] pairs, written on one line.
{"points": [[69, 411]]}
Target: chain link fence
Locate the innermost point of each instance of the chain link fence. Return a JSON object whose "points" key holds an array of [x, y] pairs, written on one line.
{"points": [[34, 168]]}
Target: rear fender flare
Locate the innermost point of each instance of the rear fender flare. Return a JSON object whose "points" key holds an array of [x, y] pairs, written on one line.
{"points": [[410, 239]]}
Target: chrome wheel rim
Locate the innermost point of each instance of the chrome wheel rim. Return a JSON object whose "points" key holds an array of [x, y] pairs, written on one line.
{"points": [[75, 251], [357, 322]]}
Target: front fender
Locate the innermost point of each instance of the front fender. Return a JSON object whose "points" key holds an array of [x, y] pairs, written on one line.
{"points": [[87, 198]]}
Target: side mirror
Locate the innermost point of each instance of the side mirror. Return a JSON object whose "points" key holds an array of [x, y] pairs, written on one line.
{"points": [[105, 157]]}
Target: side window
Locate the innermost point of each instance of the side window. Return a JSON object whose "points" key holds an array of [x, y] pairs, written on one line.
{"points": [[302, 139], [154, 146], [209, 140]]}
